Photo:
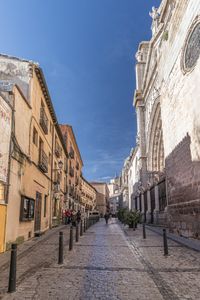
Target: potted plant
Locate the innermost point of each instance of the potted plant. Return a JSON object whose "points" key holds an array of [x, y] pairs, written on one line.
{"points": [[132, 218]]}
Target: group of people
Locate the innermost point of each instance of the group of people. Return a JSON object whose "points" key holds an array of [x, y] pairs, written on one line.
{"points": [[71, 216]]}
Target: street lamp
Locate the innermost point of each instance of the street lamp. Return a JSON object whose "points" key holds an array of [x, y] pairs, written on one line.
{"points": [[60, 165]]}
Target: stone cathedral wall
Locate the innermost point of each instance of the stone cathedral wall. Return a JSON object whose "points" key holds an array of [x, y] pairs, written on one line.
{"points": [[180, 108]]}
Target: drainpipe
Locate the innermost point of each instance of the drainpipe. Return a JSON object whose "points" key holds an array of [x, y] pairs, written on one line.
{"points": [[51, 184]]}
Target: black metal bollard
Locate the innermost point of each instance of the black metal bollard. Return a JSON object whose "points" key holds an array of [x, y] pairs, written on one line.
{"points": [[77, 233], [81, 228], [84, 225], [133, 226], [144, 231], [165, 242], [60, 250], [71, 239], [13, 267]]}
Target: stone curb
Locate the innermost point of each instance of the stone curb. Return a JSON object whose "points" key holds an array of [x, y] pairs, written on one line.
{"points": [[29, 244], [194, 245]]}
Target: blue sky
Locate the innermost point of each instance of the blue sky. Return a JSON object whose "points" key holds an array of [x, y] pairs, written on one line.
{"points": [[87, 51]]}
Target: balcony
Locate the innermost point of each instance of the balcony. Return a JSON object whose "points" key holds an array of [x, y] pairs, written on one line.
{"points": [[43, 161], [65, 189], [71, 152], [71, 172], [43, 120], [57, 150], [66, 167], [57, 188], [71, 191], [57, 177]]}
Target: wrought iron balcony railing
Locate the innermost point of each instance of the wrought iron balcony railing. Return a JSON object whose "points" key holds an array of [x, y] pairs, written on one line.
{"points": [[66, 167], [57, 150], [43, 161], [71, 152], [71, 191], [71, 172], [43, 120]]}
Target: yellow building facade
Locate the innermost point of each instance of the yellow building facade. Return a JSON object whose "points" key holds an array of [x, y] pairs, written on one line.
{"points": [[74, 169], [35, 197], [88, 195]]}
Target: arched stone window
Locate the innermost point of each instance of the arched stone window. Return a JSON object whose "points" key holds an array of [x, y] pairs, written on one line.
{"points": [[155, 149], [191, 48]]}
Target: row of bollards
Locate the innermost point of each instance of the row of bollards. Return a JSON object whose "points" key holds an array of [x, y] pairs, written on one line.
{"points": [[165, 244], [84, 225]]}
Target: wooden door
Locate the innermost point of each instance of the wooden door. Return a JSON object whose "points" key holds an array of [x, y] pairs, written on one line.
{"points": [[152, 194], [162, 195], [38, 204]]}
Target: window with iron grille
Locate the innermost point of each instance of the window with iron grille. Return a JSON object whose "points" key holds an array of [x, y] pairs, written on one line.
{"points": [[35, 136], [27, 209], [45, 205]]}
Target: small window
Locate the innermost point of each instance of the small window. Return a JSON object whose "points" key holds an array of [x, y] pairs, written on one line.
{"points": [[60, 176], [35, 136], [27, 209], [45, 205]]}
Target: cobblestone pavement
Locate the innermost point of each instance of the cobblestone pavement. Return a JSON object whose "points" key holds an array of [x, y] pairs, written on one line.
{"points": [[108, 263], [32, 255]]}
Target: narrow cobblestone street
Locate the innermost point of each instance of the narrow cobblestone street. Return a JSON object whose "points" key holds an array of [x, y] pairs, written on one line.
{"points": [[110, 264]]}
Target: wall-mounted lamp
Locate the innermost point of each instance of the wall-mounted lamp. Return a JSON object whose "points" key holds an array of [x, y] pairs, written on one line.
{"points": [[60, 165]]}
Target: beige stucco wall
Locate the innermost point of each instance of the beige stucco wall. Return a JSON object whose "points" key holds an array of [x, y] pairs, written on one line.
{"points": [[102, 198], [88, 197], [22, 120], [26, 178], [76, 165]]}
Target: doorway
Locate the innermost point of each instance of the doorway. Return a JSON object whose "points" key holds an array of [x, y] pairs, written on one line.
{"points": [[38, 204]]}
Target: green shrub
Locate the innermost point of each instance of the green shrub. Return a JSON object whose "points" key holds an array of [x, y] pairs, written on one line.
{"points": [[133, 217], [122, 213]]}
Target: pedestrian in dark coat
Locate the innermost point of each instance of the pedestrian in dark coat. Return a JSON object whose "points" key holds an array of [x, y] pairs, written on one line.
{"points": [[78, 216], [106, 216]]}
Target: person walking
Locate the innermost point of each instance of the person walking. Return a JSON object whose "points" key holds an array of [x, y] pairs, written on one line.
{"points": [[106, 216], [73, 218], [78, 216], [65, 217]]}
